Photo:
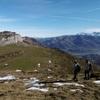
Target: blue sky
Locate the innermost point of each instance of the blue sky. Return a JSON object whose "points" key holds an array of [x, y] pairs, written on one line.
{"points": [[48, 18]]}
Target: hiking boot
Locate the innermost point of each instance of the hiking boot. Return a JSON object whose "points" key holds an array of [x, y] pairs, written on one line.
{"points": [[85, 78]]}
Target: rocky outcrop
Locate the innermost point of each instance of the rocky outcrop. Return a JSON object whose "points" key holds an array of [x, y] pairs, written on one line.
{"points": [[8, 37], [31, 41]]}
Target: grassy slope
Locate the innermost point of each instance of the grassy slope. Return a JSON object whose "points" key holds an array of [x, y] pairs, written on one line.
{"points": [[27, 58]]}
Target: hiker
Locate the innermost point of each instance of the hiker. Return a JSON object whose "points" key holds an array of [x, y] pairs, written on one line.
{"points": [[77, 68], [88, 70]]}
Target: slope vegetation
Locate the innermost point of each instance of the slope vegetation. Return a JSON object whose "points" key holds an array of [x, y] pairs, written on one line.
{"points": [[27, 57]]}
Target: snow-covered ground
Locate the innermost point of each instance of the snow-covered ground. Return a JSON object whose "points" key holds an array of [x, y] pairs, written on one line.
{"points": [[37, 88], [35, 83], [97, 82], [61, 84], [9, 77]]}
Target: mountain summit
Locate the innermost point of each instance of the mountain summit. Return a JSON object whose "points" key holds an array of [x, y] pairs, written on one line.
{"points": [[90, 34], [8, 37]]}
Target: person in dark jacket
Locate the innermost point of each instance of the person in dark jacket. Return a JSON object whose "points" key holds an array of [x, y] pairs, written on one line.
{"points": [[87, 70], [76, 70]]}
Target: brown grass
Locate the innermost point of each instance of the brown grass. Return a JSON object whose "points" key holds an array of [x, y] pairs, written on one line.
{"points": [[16, 89]]}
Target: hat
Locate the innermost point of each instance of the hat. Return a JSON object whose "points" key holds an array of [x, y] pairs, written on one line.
{"points": [[86, 60], [75, 61]]}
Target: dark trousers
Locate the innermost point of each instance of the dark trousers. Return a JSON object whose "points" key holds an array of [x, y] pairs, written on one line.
{"points": [[87, 74], [75, 75]]}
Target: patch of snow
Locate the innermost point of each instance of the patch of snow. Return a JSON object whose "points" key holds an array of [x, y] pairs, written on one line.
{"points": [[6, 82], [49, 61], [25, 79], [6, 64], [9, 77], [49, 70], [18, 70], [38, 85], [34, 82], [49, 76], [75, 90], [35, 71], [60, 84], [38, 64], [55, 89], [34, 78], [97, 82], [76, 84], [40, 89]]}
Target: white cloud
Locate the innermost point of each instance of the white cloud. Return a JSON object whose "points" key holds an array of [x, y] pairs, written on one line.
{"points": [[76, 18], [95, 9], [36, 31], [93, 30], [29, 31], [3, 19]]}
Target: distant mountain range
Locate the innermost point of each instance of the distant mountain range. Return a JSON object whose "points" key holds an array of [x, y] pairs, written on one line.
{"points": [[90, 34], [79, 45], [75, 44]]}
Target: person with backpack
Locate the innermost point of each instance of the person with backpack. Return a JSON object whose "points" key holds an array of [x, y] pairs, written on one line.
{"points": [[77, 69], [88, 70]]}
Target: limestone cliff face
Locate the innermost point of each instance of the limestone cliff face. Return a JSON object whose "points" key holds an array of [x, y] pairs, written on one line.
{"points": [[8, 37]]}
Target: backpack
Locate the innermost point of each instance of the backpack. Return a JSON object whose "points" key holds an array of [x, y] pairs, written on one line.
{"points": [[78, 68], [90, 67]]}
